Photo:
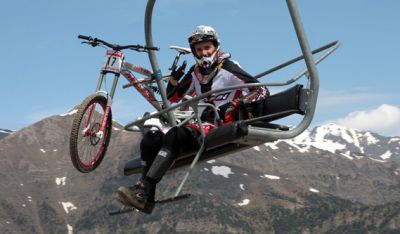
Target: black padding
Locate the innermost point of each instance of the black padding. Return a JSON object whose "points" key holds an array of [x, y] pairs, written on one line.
{"points": [[262, 124], [225, 134], [282, 102], [217, 137]]}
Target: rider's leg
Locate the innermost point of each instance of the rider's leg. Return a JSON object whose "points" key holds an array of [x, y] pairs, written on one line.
{"points": [[177, 141], [149, 147]]}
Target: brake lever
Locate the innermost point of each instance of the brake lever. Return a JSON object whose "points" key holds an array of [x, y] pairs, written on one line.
{"points": [[138, 49], [92, 43]]}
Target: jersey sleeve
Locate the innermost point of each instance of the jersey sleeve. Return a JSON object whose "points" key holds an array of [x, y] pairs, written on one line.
{"points": [[253, 93]]}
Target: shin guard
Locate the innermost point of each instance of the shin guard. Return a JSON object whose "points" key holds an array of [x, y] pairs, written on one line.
{"points": [[160, 165]]}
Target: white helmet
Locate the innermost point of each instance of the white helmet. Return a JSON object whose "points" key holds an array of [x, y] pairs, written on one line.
{"points": [[204, 33]]}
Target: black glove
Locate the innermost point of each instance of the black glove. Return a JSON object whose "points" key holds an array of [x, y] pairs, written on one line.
{"points": [[177, 73], [208, 115]]}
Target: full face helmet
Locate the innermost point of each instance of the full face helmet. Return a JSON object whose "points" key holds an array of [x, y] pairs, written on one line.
{"points": [[203, 33]]}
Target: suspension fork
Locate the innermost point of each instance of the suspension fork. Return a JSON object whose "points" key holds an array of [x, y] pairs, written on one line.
{"points": [[107, 110]]}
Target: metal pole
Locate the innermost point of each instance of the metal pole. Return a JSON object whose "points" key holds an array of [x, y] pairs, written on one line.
{"points": [[312, 70], [153, 60]]}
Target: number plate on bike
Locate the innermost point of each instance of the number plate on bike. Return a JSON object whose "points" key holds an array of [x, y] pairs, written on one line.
{"points": [[113, 61]]}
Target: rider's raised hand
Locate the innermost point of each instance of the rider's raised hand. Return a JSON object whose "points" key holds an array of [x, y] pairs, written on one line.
{"points": [[177, 73]]}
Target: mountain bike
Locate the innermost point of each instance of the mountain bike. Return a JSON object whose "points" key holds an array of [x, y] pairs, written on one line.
{"points": [[91, 128]]}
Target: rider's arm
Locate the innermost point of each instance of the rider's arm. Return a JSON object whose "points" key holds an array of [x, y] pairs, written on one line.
{"points": [[230, 111], [176, 92], [242, 77]]}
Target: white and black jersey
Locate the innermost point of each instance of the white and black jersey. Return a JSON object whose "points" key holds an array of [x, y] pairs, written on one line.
{"points": [[229, 74]]}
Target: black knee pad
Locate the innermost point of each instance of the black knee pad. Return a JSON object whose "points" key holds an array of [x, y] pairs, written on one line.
{"points": [[150, 145]]}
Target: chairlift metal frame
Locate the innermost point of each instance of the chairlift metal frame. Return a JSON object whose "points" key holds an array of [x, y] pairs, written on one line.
{"points": [[256, 135]]}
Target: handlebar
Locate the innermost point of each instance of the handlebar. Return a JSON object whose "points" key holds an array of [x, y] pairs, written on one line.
{"points": [[95, 42]]}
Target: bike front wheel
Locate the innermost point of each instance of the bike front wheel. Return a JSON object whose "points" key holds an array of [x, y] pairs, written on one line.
{"points": [[88, 143]]}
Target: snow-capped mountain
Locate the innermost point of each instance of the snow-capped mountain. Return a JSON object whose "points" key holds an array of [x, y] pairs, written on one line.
{"points": [[346, 142], [321, 177], [4, 133]]}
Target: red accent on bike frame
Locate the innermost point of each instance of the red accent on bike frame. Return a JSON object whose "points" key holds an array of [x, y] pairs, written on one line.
{"points": [[142, 90], [141, 70]]}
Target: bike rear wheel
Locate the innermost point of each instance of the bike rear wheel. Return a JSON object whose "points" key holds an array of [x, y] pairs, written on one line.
{"points": [[88, 144]]}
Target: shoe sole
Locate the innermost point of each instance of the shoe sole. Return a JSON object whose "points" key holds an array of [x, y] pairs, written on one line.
{"points": [[121, 198], [126, 199]]}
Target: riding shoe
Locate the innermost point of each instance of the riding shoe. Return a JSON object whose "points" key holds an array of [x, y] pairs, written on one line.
{"points": [[137, 197]]}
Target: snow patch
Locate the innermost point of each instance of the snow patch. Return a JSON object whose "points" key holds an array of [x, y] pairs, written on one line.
{"points": [[347, 155], [314, 190], [275, 158], [22, 184], [271, 177], [44, 151], [222, 170], [370, 139], [61, 180], [245, 174], [305, 148], [394, 140], [241, 186], [272, 145], [328, 145], [358, 157], [256, 148], [396, 173], [211, 161], [23, 205], [55, 150], [68, 206], [70, 229], [116, 129], [386, 155], [244, 202], [206, 169], [69, 113], [382, 161]]}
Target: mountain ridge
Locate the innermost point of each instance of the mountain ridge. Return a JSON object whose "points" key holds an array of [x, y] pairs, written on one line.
{"points": [[278, 187]]}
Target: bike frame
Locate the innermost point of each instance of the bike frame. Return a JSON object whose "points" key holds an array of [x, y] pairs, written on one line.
{"points": [[126, 70]]}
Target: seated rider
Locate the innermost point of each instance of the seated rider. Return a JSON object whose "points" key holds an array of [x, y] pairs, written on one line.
{"points": [[213, 70]]}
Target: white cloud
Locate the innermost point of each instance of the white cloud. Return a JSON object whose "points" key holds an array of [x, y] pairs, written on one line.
{"points": [[351, 97], [384, 120]]}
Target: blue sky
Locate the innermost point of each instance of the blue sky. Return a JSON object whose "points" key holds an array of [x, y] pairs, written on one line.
{"points": [[46, 71]]}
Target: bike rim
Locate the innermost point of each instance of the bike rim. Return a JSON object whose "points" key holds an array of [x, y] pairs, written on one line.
{"points": [[91, 142]]}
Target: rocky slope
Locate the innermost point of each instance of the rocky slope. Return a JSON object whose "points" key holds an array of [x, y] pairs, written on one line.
{"points": [[330, 179]]}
